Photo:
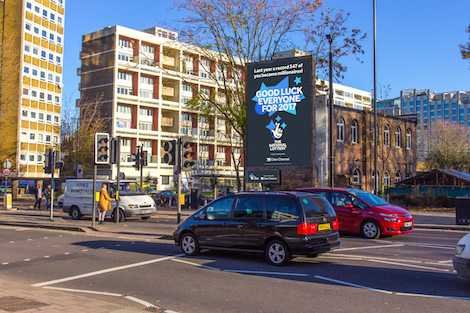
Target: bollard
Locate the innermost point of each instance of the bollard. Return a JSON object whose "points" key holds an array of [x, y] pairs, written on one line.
{"points": [[7, 201]]}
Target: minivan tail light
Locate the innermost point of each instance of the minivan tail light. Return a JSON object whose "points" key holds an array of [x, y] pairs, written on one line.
{"points": [[306, 229], [335, 224]]}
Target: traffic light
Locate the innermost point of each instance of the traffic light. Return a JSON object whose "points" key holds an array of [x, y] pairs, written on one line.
{"points": [[170, 152], [144, 158], [48, 158], [114, 150], [59, 159], [187, 154], [101, 148], [136, 158]]}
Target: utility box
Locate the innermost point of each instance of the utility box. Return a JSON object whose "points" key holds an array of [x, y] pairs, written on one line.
{"points": [[462, 211], [7, 201], [195, 198]]}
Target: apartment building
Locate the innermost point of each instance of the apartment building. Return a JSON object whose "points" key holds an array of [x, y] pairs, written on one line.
{"points": [[145, 80], [31, 82]]}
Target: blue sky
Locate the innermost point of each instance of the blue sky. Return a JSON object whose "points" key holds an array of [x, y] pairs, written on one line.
{"points": [[417, 40]]}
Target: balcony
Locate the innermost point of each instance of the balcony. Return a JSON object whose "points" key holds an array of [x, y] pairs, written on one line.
{"points": [[168, 61], [167, 122], [168, 91]]}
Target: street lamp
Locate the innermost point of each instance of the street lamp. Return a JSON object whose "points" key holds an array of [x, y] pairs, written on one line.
{"points": [[329, 37]]}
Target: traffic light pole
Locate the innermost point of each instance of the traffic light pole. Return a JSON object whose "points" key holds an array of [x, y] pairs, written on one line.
{"points": [[178, 168], [141, 165], [52, 160], [118, 162], [93, 207]]}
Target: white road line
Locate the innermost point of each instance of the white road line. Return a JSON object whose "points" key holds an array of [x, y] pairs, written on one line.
{"points": [[240, 271], [67, 253], [446, 261], [30, 239], [47, 257], [430, 296], [144, 303], [84, 250], [108, 270], [5, 263], [352, 285], [410, 265], [12, 242], [21, 229], [369, 247], [198, 265], [27, 260], [85, 291], [267, 273]]}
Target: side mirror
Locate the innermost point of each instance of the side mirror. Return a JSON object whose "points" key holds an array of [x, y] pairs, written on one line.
{"points": [[349, 205]]}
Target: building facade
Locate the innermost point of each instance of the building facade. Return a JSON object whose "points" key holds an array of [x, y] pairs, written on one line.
{"points": [[31, 83], [145, 80]]}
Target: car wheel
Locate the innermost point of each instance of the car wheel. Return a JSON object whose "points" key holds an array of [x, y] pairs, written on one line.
{"points": [[145, 217], [189, 244], [370, 230], [75, 213], [122, 217], [277, 253]]}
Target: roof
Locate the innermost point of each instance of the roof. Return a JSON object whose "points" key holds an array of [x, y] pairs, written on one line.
{"points": [[438, 177]]}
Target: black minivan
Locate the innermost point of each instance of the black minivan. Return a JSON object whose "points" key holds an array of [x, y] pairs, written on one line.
{"points": [[280, 224]]}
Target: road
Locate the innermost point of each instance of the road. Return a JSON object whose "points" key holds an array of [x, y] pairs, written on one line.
{"points": [[403, 273]]}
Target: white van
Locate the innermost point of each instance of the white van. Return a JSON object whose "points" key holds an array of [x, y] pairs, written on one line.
{"points": [[133, 201], [461, 258]]}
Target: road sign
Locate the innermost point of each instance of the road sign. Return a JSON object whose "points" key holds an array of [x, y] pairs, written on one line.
{"points": [[155, 181], [122, 175], [7, 164], [79, 170], [6, 172]]}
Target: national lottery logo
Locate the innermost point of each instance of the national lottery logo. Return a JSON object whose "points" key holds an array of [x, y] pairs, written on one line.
{"points": [[279, 98], [276, 128]]}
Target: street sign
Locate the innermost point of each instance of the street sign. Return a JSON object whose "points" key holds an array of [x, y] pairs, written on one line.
{"points": [[122, 175], [155, 181], [79, 170], [6, 172], [7, 164]]}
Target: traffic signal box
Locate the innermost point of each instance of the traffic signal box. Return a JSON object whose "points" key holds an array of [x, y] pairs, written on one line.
{"points": [[136, 158], [48, 158], [187, 154], [170, 152], [101, 148]]}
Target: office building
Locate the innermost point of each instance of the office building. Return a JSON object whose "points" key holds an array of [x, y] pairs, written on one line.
{"points": [[31, 83]]}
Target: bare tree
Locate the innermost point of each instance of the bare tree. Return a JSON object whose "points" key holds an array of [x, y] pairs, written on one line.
{"points": [[465, 48], [235, 32], [448, 147], [78, 133]]}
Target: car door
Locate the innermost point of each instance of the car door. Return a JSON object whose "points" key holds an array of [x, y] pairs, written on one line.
{"points": [[248, 223], [213, 227], [347, 214]]}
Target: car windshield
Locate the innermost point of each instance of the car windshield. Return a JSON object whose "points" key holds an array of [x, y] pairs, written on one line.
{"points": [[368, 197], [129, 189]]}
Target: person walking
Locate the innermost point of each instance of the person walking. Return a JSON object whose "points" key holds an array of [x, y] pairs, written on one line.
{"points": [[38, 195], [47, 195], [104, 204]]}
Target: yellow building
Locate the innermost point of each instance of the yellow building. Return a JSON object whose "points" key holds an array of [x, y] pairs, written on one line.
{"points": [[32, 38]]}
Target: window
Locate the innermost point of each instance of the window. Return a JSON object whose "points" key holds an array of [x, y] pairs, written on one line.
{"points": [[22, 157], [203, 148], [36, 9], [31, 158], [42, 96], [354, 132], [146, 80], [43, 75], [28, 26], [40, 137], [59, 40], [44, 34], [57, 60], [35, 51], [187, 87], [56, 120], [398, 137], [148, 48], [185, 116], [356, 177], [33, 115], [28, 5], [44, 13], [125, 142], [408, 138], [49, 118], [340, 129], [249, 207], [41, 117], [35, 72], [26, 70], [57, 79], [49, 98], [59, 19], [43, 55], [48, 138], [124, 76], [146, 111], [51, 36], [145, 126], [146, 94], [52, 16], [220, 149], [36, 30], [397, 177], [51, 57], [281, 209], [24, 113], [50, 77], [386, 136], [219, 209], [32, 136], [387, 179], [125, 43], [127, 109]]}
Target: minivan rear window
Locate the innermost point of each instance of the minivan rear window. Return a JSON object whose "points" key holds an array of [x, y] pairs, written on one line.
{"points": [[316, 206]]}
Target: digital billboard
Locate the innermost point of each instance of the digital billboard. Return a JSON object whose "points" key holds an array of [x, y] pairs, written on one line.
{"points": [[279, 112]]}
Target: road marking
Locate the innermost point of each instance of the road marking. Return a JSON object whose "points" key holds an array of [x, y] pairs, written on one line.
{"points": [[85, 291], [105, 271], [390, 292], [240, 271], [410, 265], [352, 285], [47, 257], [67, 253], [84, 250], [196, 264], [144, 303], [369, 247], [27, 260], [12, 242], [21, 229], [5, 263], [30, 239], [446, 261]]}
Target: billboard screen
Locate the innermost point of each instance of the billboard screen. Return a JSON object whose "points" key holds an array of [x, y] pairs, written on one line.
{"points": [[279, 112]]}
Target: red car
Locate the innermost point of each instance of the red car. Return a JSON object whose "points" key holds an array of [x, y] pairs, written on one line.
{"points": [[361, 212]]}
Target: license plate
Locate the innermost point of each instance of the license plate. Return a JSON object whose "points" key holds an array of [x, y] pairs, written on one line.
{"points": [[145, 211], [408, 224], [324, 226]]}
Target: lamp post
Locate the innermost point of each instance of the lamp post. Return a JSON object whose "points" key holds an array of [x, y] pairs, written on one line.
{"points": [[329, 37], [376, 180]]}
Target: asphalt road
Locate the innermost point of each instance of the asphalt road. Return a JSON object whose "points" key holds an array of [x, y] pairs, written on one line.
{"points": [[403, 273]]}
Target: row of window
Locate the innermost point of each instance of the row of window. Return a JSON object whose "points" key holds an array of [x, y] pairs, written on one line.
{"points": [[25, 114], [357, 180], [39, 74], [46, 35], [41, 96], [340, 134], [38, 137], [45, 13]]}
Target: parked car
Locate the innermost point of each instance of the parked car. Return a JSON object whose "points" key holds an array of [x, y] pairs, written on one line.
{"points": [[165, 197], [461, 258], [361, 212], [278, 224], [60, 201]]}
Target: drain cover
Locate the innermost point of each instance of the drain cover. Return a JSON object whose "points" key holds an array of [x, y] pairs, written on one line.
{"points": [[15, 304], [153, 309]]}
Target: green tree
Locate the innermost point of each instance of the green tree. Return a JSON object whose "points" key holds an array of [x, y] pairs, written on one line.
{"points": [[235, 32]]}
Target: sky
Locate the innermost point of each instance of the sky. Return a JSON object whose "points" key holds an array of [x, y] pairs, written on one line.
{"points": [[417, 40]]}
